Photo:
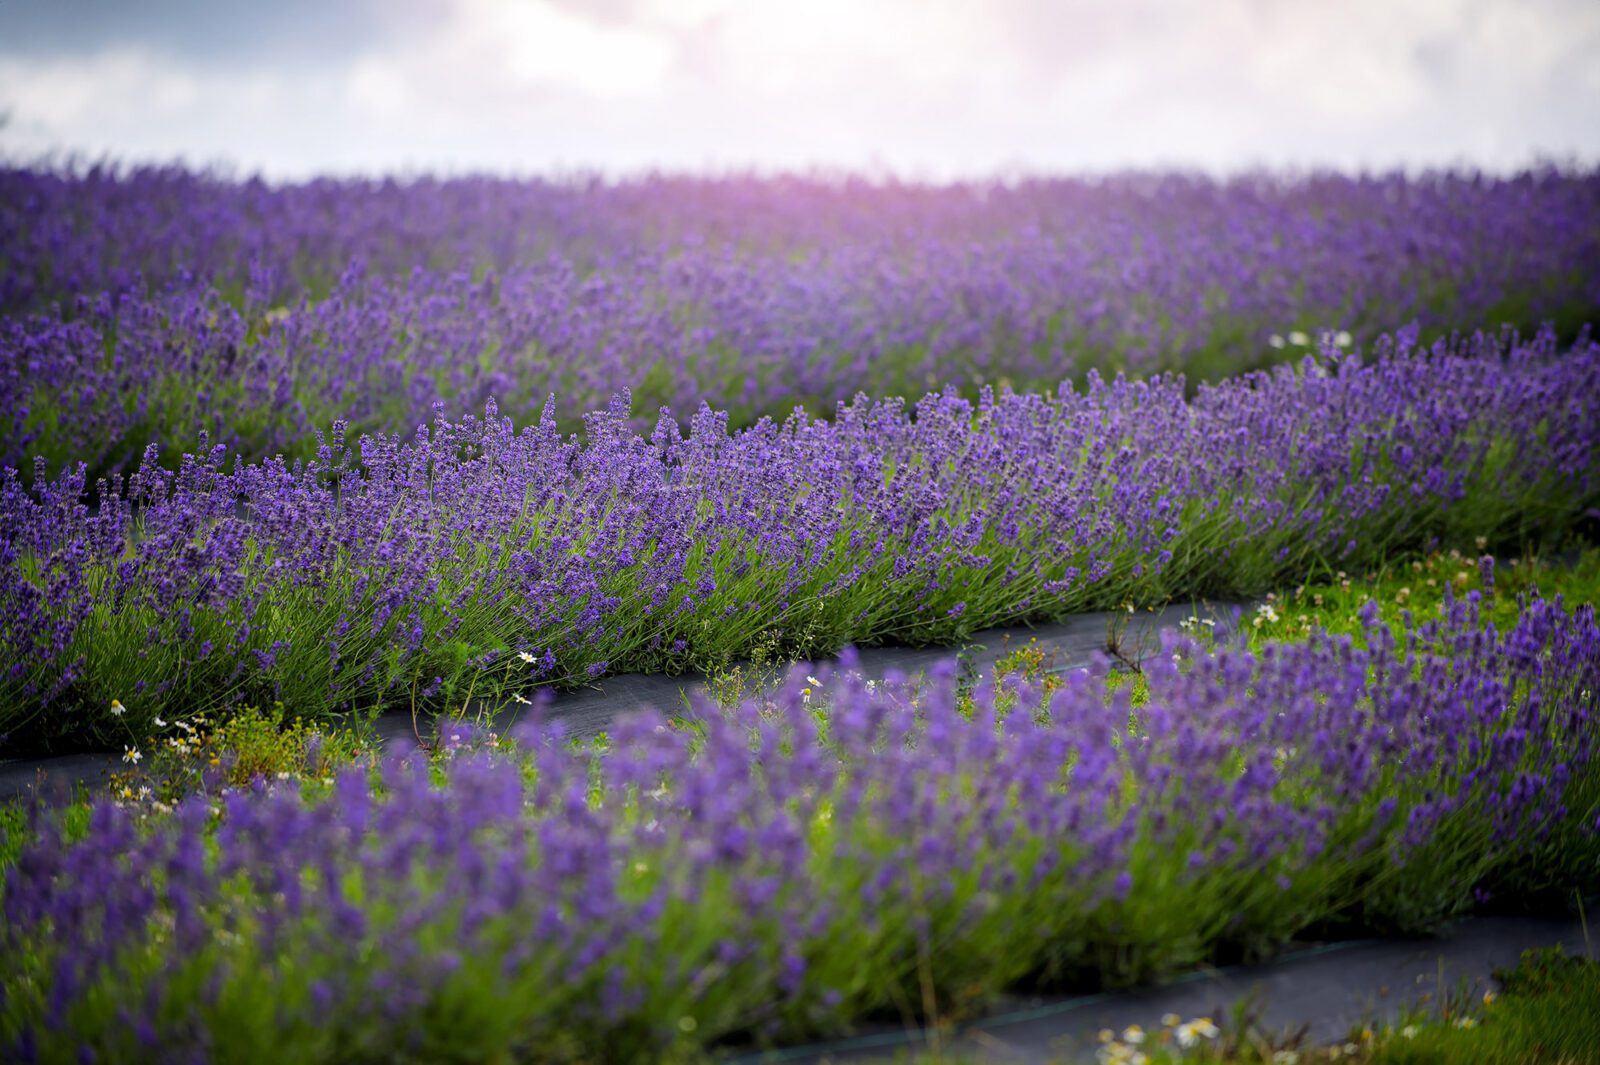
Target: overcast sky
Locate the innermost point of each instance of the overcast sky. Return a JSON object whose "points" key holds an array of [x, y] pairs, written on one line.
{"points": [[920, 88]]}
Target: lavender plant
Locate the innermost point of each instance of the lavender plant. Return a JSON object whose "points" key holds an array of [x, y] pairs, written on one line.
{"points": [[476, 561], [144, 306], [801, 862]]}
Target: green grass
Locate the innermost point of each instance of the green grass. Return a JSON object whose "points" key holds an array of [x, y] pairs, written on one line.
{"points": [[1417, 589], [1544, 1013]]}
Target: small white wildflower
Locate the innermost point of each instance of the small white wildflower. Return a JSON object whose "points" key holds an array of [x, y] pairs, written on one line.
{"points": [[525, 656], [1299, 339], [1342, 339], [516, 696], [117, 709], [1466, 1022], [160, 723], [131, 755], [1170, 1020], [1409, 1031], [814, 682], [1275, 340], [1133, 1034]]}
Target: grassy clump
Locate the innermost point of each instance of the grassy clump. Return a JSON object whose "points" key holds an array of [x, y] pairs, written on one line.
{"points": [[204, 755], [1415, 591]]}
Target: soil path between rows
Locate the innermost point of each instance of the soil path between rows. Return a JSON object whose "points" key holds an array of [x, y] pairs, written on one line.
{"points": [[1326, 989], [1070, 644]]}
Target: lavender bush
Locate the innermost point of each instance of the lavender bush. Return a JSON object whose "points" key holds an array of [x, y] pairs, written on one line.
{"points": [[478, 561], [804, 861], [145, 306]]}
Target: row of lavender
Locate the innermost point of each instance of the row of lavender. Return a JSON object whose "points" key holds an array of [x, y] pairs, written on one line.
{"points": [[146, 305], [69, 231], [786, 869], [476, 561]]}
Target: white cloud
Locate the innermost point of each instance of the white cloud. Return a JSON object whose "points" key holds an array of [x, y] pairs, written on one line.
{"points": [[119, 85], [930, 87], [376, 88], [537, 44]]}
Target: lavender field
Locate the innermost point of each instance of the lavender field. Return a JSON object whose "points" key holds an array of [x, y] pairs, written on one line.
{"points": [[441, 445], [310, 442], [147, 304], [835, 850]]}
